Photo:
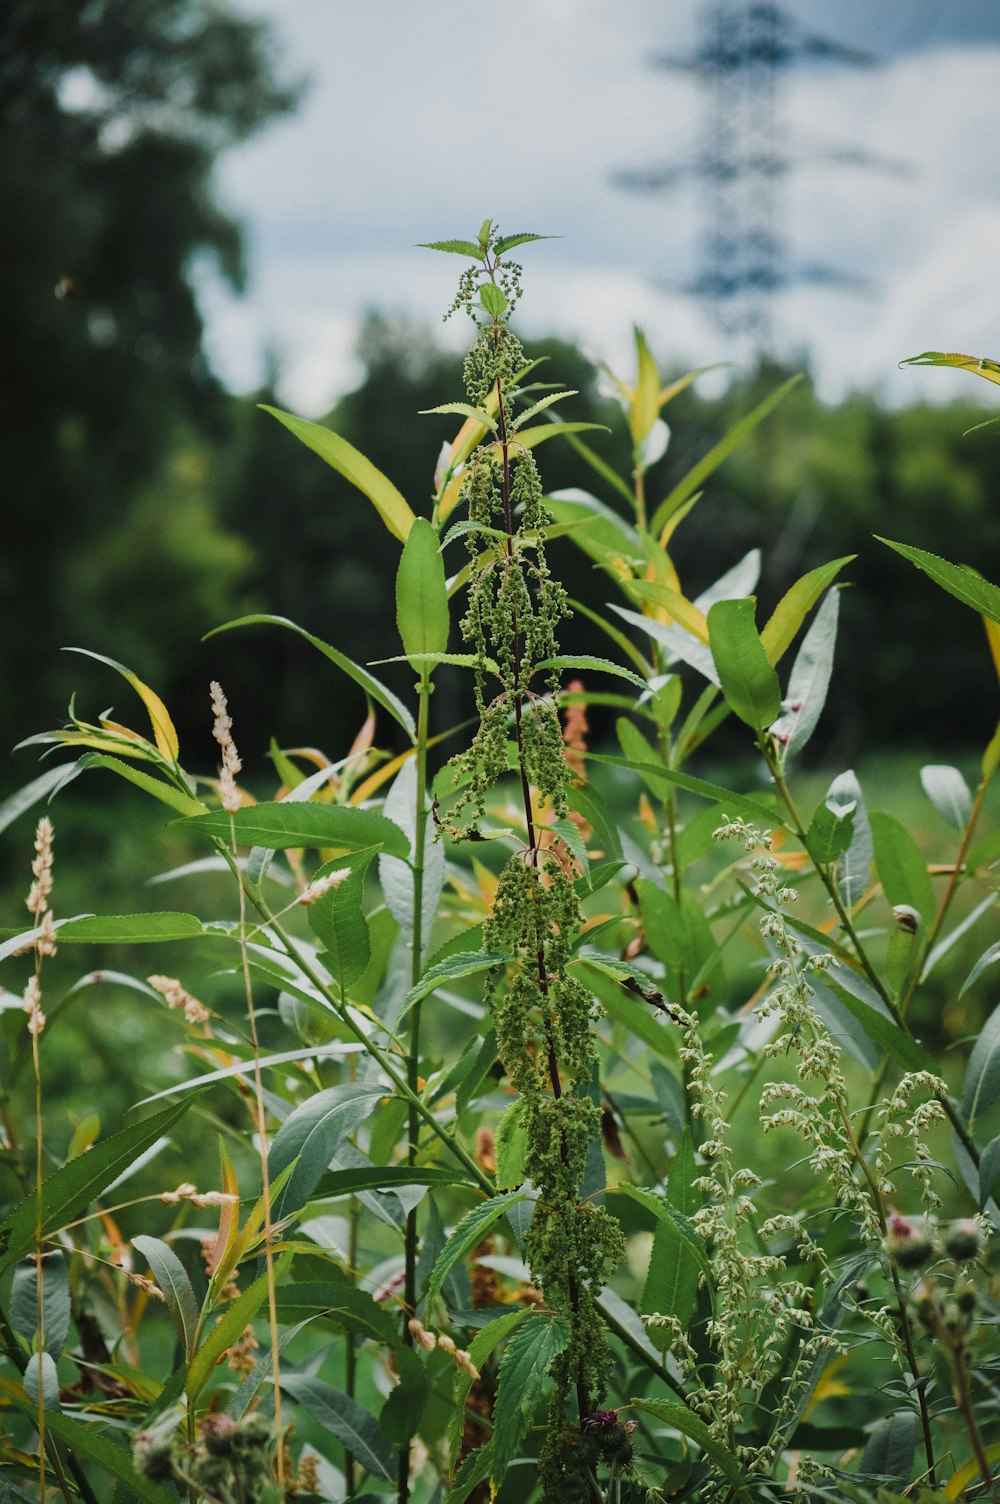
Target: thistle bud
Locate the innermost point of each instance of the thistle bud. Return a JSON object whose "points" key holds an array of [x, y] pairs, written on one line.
{"points": [[907, 1243], [964, 1240]]}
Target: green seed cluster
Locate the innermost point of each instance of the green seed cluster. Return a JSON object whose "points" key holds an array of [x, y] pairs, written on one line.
{"points": [[541, 1014]]}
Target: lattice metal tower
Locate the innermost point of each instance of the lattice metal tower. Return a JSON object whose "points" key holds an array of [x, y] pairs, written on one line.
{"points": [[742, 159]]}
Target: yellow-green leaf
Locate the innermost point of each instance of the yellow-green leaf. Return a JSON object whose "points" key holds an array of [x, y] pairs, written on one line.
{"points": [[164, 733], [391, 505], [645, 406], [790, 612], [979, 365]]}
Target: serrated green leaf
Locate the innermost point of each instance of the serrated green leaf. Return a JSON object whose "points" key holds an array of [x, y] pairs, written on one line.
{"points": [[296, 823], [511, 1145], [508, 242], [69, 1190], [540, 407], [344, 1418], [391, 506], [337, 918], [372, 687], [172, 1279], [960, 580], [483, 1345], [664, 1212], [681, 1419], [456, 247], [451, 969], [462, 410], [523, 1372], [471, 1230], [748, 681], [311, 1135], [587, 664], [982, 1074]]}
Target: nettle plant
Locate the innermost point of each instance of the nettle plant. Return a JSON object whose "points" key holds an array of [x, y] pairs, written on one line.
{"points": [[598, 1163]]}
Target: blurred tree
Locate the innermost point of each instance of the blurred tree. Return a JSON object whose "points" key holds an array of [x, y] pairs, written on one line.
{"points": [[111, 118]]}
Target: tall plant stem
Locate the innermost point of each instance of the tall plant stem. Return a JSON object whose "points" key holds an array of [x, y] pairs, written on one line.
{"points": [[413, 1057], [272, 1301], [534, 850], [39, 1268]]}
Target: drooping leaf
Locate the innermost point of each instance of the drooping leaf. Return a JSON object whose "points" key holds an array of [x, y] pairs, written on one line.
{"points": [[854, 868], [451, 969], [794, 606], [164, 733], [172, 1279], [421, 593], [392, 507], [292, 823], [809, 680], [344, 1418], [960, 580], [681, 1419], [523, 1372], [312, 1134], [69, 1190], [372, 687], [889, 1450], [471, 1230], [949, 793], [982, 1074], [184, 804]]}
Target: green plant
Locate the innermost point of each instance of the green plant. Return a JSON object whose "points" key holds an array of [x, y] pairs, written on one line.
{"points": [[645, 1219]]}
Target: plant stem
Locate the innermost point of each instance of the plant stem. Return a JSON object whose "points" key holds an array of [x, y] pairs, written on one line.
{"points": [[413, 1058]]}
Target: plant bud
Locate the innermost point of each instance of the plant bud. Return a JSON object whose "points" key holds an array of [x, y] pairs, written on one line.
{"points": [[907, 1244], [964, 1240]]}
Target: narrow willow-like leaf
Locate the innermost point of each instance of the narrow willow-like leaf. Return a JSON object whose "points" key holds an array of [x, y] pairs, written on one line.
{"points": [[523, 1372], [695, 478], [737, 804], [979, 365], [164, 733], [396, 876], [392, 507], [676, 640], [982, 1074], [246, 1068], [684, 612], [312, 1134], [471, 1230], [948, 792], [738, 581], [681, 1419], [291, 823], [86, 1442], [372, 687], [421, 593], [184, 804], [172, 1278], [344, 1418], [809, 680], [794, 606], [645, 405], [233, 1322], [960, 580], [130, 929], [39, 788], [901, 867], [748, 681], [69, 1190]]}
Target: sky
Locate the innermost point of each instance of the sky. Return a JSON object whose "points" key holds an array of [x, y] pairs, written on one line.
{"points": [[420, 118]]}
